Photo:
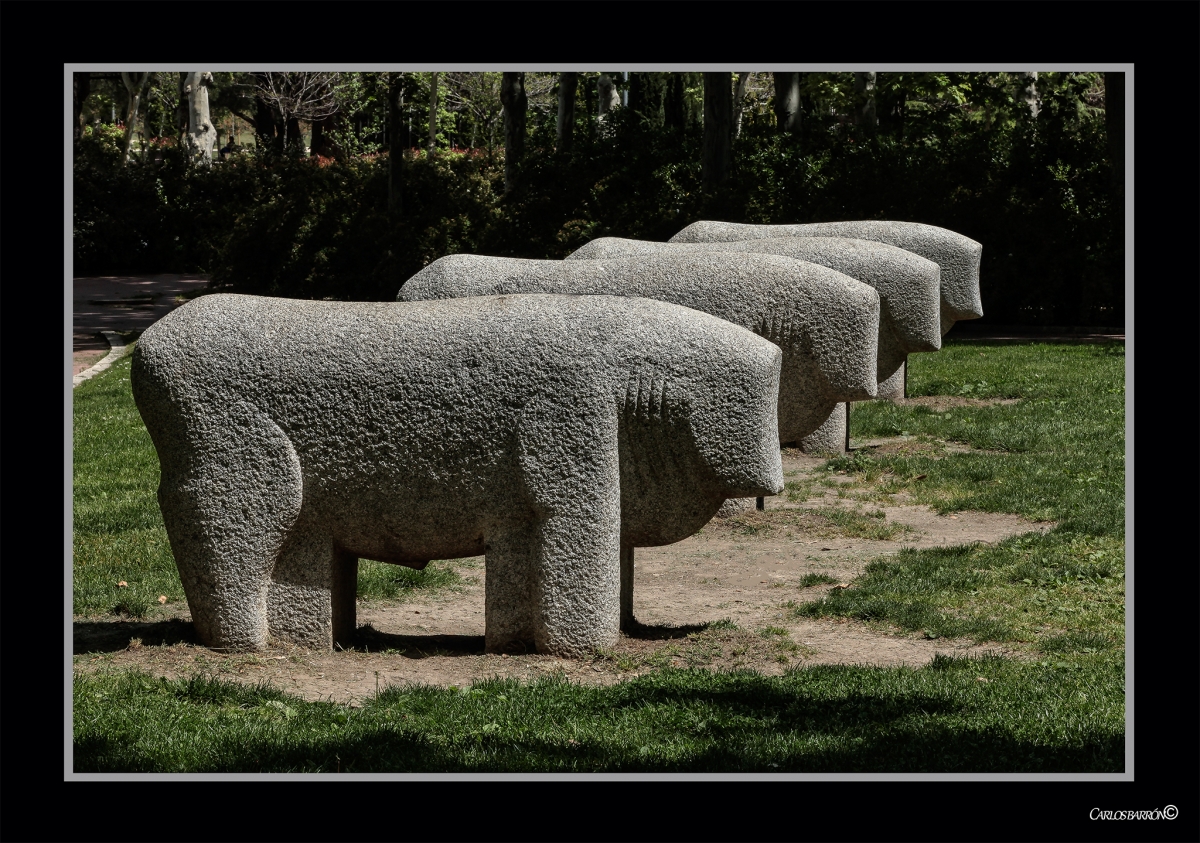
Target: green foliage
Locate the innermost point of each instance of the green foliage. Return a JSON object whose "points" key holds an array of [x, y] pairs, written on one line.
{"points": [[162, 99], [955, 150], [102, 143], [362, 99], [1035, 193], [171, 216], [323, 231], [638, 182]]}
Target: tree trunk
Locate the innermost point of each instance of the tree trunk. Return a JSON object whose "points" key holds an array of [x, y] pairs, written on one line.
{"points": [[609, 98], [864, 86], [433, 91], [265, 133], [201, 132], [134, 83], [322, 139], [674, 107], [787, 102], [512, 97], [739, 98], [718, 130], [1029, 94], [396, 148], [292, 133], [82, 86], [565, 128]]}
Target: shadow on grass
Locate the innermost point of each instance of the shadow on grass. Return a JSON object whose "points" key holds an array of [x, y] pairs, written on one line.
{"points": [[662, 632], [114, 635], [746, 726], [944, 751], [370, 639], [420, 646]]}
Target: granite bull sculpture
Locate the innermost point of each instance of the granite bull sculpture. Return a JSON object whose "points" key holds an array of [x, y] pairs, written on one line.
{"points": [[548, 433], [957, 256]]}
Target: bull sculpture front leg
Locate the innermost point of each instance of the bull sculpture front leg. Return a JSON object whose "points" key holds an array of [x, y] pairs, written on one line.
{"points": [[557, 579]]}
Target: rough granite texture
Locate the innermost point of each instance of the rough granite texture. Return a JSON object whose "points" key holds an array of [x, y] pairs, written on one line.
{"points": [[956, 255], [550, 433], [826, 323], [831, 436], [893, 387], [908, 285], [909, 301]]}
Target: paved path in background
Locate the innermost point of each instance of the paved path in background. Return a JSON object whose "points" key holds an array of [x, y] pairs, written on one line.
{"points": [[124, 303], [121, 303], [135, 302], [1022, 332]]}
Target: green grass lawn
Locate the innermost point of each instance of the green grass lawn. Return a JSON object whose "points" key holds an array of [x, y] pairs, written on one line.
{"points": [[118, 529], [956, 715], [1057, 454]]}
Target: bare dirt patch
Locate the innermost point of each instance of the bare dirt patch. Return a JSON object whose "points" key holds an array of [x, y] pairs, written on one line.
{"points": [[84, 360], [715, 600], [946, 402], [914, 446]]}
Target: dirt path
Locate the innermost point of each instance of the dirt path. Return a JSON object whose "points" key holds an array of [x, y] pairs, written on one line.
{"points": [[715, 600], [86, 359]]}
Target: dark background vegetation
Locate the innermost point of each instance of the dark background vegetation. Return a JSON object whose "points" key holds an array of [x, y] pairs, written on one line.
{"points": [[963, 151]]}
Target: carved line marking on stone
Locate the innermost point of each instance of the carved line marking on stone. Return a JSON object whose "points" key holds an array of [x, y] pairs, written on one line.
{"points": [[646, 397], [117, 349], [779, 328]]}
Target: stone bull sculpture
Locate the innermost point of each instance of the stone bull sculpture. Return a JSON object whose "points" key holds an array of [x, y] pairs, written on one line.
{"points": [[957, 256], [826, 323], [908, 286], [545, 432]]}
